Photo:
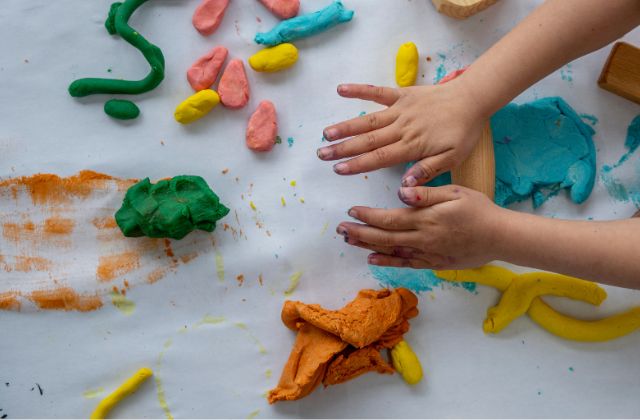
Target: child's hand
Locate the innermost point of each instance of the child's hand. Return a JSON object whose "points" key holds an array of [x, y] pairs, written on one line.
{"points": [[437, 126], [446, 228]]}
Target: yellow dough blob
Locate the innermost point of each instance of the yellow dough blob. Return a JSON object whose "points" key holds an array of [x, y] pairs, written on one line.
{"points": [[406, 362], [407, 64], [196, 106], [274, 59], [127, 388], [548, 318]]}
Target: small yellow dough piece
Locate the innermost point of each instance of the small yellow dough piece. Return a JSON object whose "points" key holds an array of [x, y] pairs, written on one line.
{"points": [[274, 59], [563, 326], [196, 106], [406, 362], [517, 299], [407, 64], [127, 388]]}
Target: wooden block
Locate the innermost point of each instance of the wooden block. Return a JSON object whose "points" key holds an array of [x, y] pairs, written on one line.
{"points": [[479, 170], [461, 9], [621, 72]]}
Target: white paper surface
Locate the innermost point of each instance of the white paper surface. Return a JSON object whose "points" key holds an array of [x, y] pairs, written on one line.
{"points": [[218, 370]]}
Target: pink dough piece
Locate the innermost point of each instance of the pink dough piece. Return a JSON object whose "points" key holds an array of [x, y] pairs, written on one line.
{"points": [[203, 73], [262, 128], [208, 15], [284, 9], [234, 86]]}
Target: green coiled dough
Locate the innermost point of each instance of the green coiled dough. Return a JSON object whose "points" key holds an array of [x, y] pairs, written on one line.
{"points": [[117, 22], [170, 208]]}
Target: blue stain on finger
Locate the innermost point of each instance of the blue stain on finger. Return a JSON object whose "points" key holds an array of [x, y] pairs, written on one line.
{"points": [[415, 280]]}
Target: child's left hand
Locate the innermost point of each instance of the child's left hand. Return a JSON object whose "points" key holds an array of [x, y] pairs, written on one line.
{"points": [[445, 228]]}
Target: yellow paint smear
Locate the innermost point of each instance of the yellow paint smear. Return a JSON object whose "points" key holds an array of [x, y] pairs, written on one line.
{"points": [[212, 320], [294, 280], [127, 388], [93, 393], [220, 266], [253, 414], [123, 304]]}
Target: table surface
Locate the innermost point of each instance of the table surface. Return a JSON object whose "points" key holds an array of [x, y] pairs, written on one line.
{"points": [[223, 369]]}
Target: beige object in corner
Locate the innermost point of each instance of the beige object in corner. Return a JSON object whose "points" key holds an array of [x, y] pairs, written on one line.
{"points": [[621, 72], [461, 9]]}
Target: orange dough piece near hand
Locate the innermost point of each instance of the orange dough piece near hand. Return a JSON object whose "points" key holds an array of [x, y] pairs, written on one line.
{"points": [[203, 73], [234, 86], [307, 363], [372, 315], [262, 128], [346, 367], [208, 15], [284, 9]]}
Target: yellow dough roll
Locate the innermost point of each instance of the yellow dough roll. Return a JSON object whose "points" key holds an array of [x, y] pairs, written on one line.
{"points": [[407, 64], [196, 106], [406, 362], [127, 388], [274, 59]]}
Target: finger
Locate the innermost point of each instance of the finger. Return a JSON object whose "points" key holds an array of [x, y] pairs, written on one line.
{"points": [[355, 232], [428, 196], [382, 95], [359, 125], [382, 157], [393, 219], [396, 251], [360, 144], [428, 168], [390, 261]]}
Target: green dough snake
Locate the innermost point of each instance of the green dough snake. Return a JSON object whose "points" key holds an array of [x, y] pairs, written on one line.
{"points": [[117, 22]]}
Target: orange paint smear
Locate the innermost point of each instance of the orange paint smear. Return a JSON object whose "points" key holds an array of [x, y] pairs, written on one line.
{"points": [[9, 301], [58, 226], [65, 298], [26, 264], [156, 275], [188, 257], [50, 188], [105, 222], [112, 266]]}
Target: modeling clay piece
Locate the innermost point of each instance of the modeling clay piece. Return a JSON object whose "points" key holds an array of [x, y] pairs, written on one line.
{"points": [[121, 109], [169, 209], [275, 58], [406, 363], [461, 9], [407, 64], [234, 86], [208, 16], [306, 25], [196, 106], [564, 326], [204, 72], [117, 22], [335, 346], [262, 129], [127, 388], [284, 9]]}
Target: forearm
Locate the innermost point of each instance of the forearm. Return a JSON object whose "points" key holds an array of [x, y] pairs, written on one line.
{"points": [[556, 33], [606, 252]]}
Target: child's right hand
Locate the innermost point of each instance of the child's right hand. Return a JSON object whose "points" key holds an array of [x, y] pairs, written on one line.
{"points": [[437, 126]]}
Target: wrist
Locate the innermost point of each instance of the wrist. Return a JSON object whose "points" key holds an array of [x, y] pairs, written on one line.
{"points": [[502, 234]]}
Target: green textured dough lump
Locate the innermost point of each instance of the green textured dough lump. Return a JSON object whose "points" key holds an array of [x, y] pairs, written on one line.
{"points": [[170, 208]]}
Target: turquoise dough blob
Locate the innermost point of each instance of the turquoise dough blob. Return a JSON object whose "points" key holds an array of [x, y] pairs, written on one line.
{"points": [[540, 148], [170, 208], [305, 25]]}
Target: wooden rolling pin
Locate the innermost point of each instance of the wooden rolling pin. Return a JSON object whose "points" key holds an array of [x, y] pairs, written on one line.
{"points": [[479, 170]]}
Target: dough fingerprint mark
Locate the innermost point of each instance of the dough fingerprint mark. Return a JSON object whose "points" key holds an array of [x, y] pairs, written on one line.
{"points": [[117, 23]]}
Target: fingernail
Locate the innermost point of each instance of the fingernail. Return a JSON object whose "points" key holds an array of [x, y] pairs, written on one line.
{"points": [[346, 238], [353, 213], [341, 168], [409, 181], [341, 230], [371, 259], [330, 133], [406, 194], [324, 153], [342, 88]]}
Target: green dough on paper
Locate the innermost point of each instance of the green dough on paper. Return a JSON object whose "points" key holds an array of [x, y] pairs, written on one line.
{"points": [[117, 23], [170, 208], [121, 109]]}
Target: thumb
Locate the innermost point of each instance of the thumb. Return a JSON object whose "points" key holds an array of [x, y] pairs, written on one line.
{"points": [[428, 196], [427, 169]]}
